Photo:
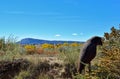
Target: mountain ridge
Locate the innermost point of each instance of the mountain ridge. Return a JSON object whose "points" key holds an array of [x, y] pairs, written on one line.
{"points": [[42, 41]]}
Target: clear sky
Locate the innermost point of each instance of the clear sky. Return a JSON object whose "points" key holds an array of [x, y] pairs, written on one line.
{"points": [[58, 19]]}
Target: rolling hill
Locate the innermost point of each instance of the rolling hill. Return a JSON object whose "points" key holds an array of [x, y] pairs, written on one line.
{"points": [[40, 41]]}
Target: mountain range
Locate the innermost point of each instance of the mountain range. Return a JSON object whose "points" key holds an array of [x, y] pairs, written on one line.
{"points": [[40, 41]]}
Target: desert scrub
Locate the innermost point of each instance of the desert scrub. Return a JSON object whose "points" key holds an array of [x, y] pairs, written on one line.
{"points": [[47, 46], [74, 44], [2, 44], [69, 54], [44, 76], [109, 66], [80, 76], [22, 75], [39, 50], [9, 49], [30, 49]]}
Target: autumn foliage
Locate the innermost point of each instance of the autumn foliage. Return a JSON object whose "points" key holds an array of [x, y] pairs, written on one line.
{"points": [[48, 48], [30, 49]]}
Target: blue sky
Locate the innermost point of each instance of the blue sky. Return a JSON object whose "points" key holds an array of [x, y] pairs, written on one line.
{"points": [[58, 19]]}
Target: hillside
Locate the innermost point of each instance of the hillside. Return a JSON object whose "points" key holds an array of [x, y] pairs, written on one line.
{"points": [[40, 41]]}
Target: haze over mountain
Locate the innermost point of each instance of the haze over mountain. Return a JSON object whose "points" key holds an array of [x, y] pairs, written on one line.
{"points": [[40, 41]]}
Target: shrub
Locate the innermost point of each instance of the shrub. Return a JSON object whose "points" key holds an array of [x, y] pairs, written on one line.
{"points": [[74, 44], [70, 54], [9, 49], [109, 65], [2, 44], [22, 75], [47, 46], [30, 49], [39, 50], [65, 44]]}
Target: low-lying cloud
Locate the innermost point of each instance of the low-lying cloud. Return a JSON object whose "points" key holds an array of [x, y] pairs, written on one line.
{"points": [[57, 35], [74, 34]]}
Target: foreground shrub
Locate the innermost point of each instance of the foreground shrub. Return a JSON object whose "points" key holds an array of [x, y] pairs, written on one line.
{"points": [[109, 66], [9, 49], [22, 75]]}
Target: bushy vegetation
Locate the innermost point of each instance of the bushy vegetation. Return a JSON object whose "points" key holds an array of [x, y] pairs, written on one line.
{"points": [[109, 65], [105, 66], [9, 49], [50, 49], [22, 75], [30, 49]]}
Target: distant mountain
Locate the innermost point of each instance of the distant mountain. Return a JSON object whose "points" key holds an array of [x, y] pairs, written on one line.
{"points": [[39, 41]]}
